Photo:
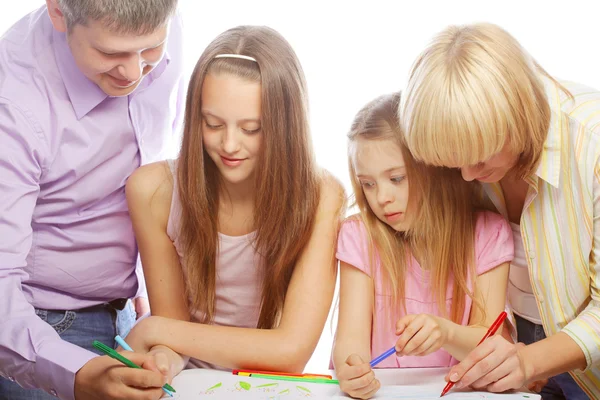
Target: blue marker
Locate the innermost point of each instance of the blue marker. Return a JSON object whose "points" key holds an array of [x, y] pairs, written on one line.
{"points": [[125, 346], [382, 357]]}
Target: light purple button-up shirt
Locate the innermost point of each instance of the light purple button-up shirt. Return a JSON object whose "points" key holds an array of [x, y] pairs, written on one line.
{"points": [[66, 151]]}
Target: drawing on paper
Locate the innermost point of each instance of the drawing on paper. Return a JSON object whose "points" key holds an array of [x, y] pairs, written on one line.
{"points": [[266, 391], [304, 391], [217, 385], [268, 387], [212, 389], [242, 386]]}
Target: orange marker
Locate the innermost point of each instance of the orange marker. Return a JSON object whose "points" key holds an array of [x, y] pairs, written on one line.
{"points": [[247, 372]]}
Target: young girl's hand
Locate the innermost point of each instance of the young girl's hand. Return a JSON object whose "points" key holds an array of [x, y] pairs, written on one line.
{"points": [[420, 334], [357, 379]]}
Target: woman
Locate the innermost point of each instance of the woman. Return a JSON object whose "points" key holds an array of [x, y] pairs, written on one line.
{"points": [[476, 100]]}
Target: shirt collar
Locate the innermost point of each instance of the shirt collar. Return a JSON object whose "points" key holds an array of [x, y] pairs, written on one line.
{"points": [[84, 94], [549, 165]]}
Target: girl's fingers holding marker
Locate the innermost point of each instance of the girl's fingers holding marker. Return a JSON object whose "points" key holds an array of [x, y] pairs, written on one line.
{"points": [[354, 359], [407, 334], [355, 368], [361, 383], [429, 346], [403, 323], [368, 391], [356, 377], [416, 341]]}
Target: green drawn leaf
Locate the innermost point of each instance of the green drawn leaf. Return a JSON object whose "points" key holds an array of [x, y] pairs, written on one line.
{"points": [[267, 385], [245, 385], [304, 389], [218, 385], [286, 391]]}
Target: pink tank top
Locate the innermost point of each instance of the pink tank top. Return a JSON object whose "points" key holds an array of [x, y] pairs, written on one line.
{"points": [[238, 285]]}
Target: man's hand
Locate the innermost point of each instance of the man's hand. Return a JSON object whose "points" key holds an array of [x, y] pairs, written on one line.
{"points": [[103, 378]]}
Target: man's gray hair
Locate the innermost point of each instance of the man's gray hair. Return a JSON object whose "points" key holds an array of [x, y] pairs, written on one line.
{"points": [[122, 16]]}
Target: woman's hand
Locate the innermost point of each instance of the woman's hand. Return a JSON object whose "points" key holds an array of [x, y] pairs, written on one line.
{"points": [[496, 365]]}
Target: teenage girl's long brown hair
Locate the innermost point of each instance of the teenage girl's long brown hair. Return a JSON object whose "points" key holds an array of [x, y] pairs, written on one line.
{"points": [[287, 182], [442, 231]]}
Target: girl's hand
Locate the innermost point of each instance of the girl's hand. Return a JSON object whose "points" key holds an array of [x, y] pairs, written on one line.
{"points": [[159, 361], [143, 336], [420, 334], [166, 361], [357, 379]]}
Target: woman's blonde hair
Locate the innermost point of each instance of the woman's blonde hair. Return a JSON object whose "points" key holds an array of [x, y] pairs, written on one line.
{"points": [[471, 92], [442, 232], [287, 179]]}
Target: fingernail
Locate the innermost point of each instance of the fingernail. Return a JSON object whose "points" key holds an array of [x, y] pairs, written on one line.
{"points": [[454, 377]]}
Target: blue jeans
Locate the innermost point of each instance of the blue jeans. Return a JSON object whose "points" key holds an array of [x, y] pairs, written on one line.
{"points": [[80, 327], [559, 387]]}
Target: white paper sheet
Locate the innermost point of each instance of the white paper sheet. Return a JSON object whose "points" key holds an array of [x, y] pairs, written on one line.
{"points": [[421, 385]]}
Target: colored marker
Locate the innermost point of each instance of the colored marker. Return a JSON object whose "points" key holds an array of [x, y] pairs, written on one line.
{"points": [[249, 371], [382, 357], [290, 378]]}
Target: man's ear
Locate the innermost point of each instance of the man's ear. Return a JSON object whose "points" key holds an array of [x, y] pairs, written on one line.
{"points": [[56, 16]]}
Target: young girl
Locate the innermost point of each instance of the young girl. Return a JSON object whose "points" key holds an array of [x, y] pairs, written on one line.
{"points": [[420, 270], [237, 236]]}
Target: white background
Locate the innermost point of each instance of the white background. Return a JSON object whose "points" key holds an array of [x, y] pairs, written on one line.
{"points": [[354, 51]]}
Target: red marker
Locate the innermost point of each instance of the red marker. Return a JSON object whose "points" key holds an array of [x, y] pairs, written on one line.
{"points": [[491, 332]]}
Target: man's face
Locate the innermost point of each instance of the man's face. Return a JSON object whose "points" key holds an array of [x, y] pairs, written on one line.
{"points": [[117, 63]]}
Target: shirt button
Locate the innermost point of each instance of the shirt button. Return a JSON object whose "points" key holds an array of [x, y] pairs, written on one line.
{"points": [[531, 254], [53, 393], [11, 378]]}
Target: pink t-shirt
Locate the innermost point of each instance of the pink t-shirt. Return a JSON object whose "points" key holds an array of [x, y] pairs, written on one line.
{"points": [[493, 246]]}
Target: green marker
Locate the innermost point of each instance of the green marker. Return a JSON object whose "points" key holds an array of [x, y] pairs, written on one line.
{"points": [[295, 379]]}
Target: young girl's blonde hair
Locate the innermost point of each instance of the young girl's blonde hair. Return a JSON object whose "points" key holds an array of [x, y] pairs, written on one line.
{"points": [[441, 234], [471, 92]]}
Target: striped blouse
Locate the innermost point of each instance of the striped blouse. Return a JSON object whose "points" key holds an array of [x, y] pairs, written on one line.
{"points": [[560, 224]]}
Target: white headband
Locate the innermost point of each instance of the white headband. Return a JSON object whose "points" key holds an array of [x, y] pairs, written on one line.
{"points": [[235, 56]]}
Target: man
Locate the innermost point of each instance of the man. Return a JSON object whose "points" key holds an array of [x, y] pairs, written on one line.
{"points": [[89, 91]]}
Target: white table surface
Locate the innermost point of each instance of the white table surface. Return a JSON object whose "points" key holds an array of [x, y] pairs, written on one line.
{"points": [[422, 383]]}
